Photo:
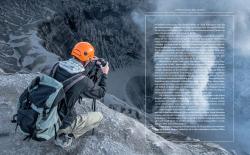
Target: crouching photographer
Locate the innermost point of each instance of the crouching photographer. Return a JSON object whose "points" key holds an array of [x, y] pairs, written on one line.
{"points": [[84, 74]]}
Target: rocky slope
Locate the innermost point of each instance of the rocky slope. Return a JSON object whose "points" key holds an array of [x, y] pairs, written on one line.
{"points": [[59, 25], [117, 134], [35, 34]]}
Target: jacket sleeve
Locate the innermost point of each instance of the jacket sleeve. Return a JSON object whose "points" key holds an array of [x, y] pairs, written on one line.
{"points": [[97, 90]]}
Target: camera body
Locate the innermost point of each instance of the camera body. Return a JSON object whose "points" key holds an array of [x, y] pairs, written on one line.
{"points": [[94, 69], [100, 62]]}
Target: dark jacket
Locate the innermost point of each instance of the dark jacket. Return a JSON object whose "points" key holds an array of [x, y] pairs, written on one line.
{"points": [[84, 87]]}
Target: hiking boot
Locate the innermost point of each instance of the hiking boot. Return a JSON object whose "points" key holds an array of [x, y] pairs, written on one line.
{"points": [[64, 140]]}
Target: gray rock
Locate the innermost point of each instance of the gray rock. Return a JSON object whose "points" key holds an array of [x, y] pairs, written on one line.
{"points": [[117, 134]]}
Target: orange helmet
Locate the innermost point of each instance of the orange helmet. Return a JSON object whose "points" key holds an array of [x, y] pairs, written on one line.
{"points": [[83, 51]]}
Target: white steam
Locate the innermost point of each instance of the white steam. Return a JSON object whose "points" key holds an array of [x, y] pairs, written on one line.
{"points": [[189, 87]]}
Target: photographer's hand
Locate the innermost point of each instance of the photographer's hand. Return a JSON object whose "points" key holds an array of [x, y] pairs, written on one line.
{"points": [[105, 69]]}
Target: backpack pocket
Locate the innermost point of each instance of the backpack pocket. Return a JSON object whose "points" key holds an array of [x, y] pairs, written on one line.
{"points": [[40, 95], [26, 119]]}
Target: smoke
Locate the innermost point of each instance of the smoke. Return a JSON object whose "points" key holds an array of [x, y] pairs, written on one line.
{"points": [[241, 11], [137, 17], [189, 87], [240, 8]]}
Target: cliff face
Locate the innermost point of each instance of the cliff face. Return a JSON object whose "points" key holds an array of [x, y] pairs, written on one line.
{"points": [[30, 31], [117, 134], [106, 24]]}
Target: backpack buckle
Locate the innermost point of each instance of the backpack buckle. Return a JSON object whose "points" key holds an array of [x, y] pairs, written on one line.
{"points": [[14, 120], [44, 112]]}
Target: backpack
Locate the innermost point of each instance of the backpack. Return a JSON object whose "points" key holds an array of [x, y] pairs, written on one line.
{"points": [[37, 107]]}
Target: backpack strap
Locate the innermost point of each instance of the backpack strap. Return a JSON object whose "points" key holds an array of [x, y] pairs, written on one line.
{"points": [[68, 86], [14, 120], [71, 78], [53, 71], [55, 131], [72, 83], [31, 135]]}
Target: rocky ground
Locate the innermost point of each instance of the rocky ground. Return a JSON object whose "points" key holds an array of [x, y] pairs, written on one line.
{"points": [[117, 134]]}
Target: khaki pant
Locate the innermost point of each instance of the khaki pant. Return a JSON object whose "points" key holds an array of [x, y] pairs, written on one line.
{"points": [[82, 124]]}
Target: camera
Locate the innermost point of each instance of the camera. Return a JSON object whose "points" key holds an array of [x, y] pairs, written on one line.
{"points": [[100, 62], [93, 69]]}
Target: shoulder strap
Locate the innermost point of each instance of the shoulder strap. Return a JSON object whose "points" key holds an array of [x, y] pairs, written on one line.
{"points": [[68, 86], [53, 71], [79, 76]]}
